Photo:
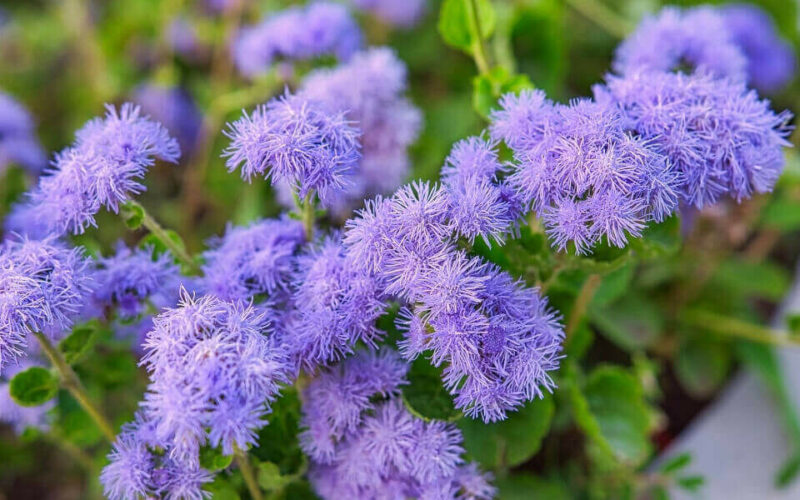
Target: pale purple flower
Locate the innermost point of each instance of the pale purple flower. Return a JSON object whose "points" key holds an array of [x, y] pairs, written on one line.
{"points": [[721, 138], [173, 107], [18, 142], [295, 140]]}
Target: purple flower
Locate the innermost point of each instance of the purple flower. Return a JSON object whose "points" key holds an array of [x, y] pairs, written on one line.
{"points": [[335, 306], [175, 109], [770, 59], [102, 168], [363, 443], [404, 14], [18, 143], [294, 139], [214, 369], [253, 260], [720, 137], [583, 172], [297, 33], [369, 90], [137, 469], [43, 287], [698, 37]]}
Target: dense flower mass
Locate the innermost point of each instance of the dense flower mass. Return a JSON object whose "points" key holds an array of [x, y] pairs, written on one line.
{"points": [[253, 260], [334, 306], [496, 339], [214, 369], [582, 171], [369, 90], [722, 139], [18, 143], [770, 59], [175, 109], [318, 29], [364, 443], [103, 168], [43, 286], [404, 14], [141, 465], [295, 140]]}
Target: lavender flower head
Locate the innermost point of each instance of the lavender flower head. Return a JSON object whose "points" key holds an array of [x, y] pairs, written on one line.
{"points": [[214, 369], [297, 33], [370, 90], [22, 417], [253, 260], [698, 37], [364, 443], [496, 339], [43, 287], [582, 171], [18, 142], [721, 138], [175, 109], [295, 140], [103, 168], [335, 306], [141, 466], [770, 59], [404, 14]]}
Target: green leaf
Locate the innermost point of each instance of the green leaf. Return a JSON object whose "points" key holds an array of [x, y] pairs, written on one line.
{"points": [[132, 213], [676, 463], [213, 459], [425, 396], [614, 285], [269, 476], [527, 486], [222, 489], [488, 88], [77, 344], [782, 213], [512, 441], [701, 364], [788, 471], [277, 442], [632, 323], [457, 26], [659, 239], [691, 483], [33, 387], [751, 279]]}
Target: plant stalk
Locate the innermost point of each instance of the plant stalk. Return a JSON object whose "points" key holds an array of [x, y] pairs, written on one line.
{"points": [[603, 16], [732, 327], [247, 473], [479, 51], [159, 232], [71, 382], [307, 210], [582, 301]]}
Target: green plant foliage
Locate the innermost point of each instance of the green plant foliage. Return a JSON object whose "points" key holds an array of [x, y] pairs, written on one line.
{"points": [[424, 395], [33, 387]]}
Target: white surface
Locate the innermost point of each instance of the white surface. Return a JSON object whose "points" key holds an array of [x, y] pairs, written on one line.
{"points": [[739, 442]]}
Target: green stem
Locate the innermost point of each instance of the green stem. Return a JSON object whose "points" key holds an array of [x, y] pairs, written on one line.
{"points": [[582, 301], [732, 327], [159, 232], [307, 210], [479, 49], [600, 14], [247, 473], [71, 382]]}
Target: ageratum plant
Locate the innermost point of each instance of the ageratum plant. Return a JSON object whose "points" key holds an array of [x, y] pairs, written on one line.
{"points": [[366, 288]]}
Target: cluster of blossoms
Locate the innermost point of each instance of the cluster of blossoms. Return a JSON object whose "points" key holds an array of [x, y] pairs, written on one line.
{"points": [[18, 143], [294, 139], [103, 168], [44, 287], [297, 33], [369, 91], [737, 41], [363, 443], [497, 339], [404, 14]]}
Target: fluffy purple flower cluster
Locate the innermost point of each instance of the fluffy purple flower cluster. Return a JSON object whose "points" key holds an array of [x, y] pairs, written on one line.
{"points": [[497, 339], [214, 369], [738, 42], [296, 33], [404, 14], [364, 443], [22, 417], [582, 171], [175, 109], [101, 169], [719, 136], [43, 288], [369, 90], [257, 260], [295, 140], [142, 466], [18, 142]]}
